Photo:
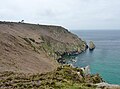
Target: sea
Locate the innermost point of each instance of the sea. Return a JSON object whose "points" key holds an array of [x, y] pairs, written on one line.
{"points": [[105, 59]]}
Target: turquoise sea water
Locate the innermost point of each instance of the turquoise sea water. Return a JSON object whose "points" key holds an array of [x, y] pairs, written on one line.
{"points": [[105, 59]]}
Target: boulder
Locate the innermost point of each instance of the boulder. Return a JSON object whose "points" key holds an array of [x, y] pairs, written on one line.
{"points": [[91, 45]]}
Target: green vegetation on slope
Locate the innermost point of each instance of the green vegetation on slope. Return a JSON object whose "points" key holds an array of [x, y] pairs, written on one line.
{"points": [[64, 77]]}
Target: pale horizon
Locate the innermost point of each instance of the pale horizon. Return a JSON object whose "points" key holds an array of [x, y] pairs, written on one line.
{"points": [[78, 14]]}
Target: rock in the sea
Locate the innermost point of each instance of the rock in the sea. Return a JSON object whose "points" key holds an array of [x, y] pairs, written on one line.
{"points": [[91, 45]]}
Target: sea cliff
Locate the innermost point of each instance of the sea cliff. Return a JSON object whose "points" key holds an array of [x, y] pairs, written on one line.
{"points": [[34, 48]]}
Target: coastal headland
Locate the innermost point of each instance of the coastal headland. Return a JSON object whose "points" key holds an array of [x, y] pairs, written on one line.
{"points": [[31, 57]]}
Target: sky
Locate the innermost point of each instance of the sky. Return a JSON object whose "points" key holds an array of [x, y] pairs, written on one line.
{"points": [[71, 14]]}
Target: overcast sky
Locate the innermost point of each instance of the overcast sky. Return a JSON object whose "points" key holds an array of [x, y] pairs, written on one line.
{"points": [[72, 14]]}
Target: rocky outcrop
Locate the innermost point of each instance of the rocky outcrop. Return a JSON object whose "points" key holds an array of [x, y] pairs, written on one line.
{"points": [[91, 45], [104, 85]]}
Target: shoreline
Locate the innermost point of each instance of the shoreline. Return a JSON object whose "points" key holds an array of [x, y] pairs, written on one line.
{"points": [[102, 84]]}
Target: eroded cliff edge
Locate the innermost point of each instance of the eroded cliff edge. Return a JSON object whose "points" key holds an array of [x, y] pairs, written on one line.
{"points": [[34, 48]]}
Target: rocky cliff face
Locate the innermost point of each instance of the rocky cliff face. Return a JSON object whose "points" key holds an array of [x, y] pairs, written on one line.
{"points": [[32, 48]]}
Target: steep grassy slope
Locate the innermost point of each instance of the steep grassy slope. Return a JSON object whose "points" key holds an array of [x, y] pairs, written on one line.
{"points": [[31, 48]]}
